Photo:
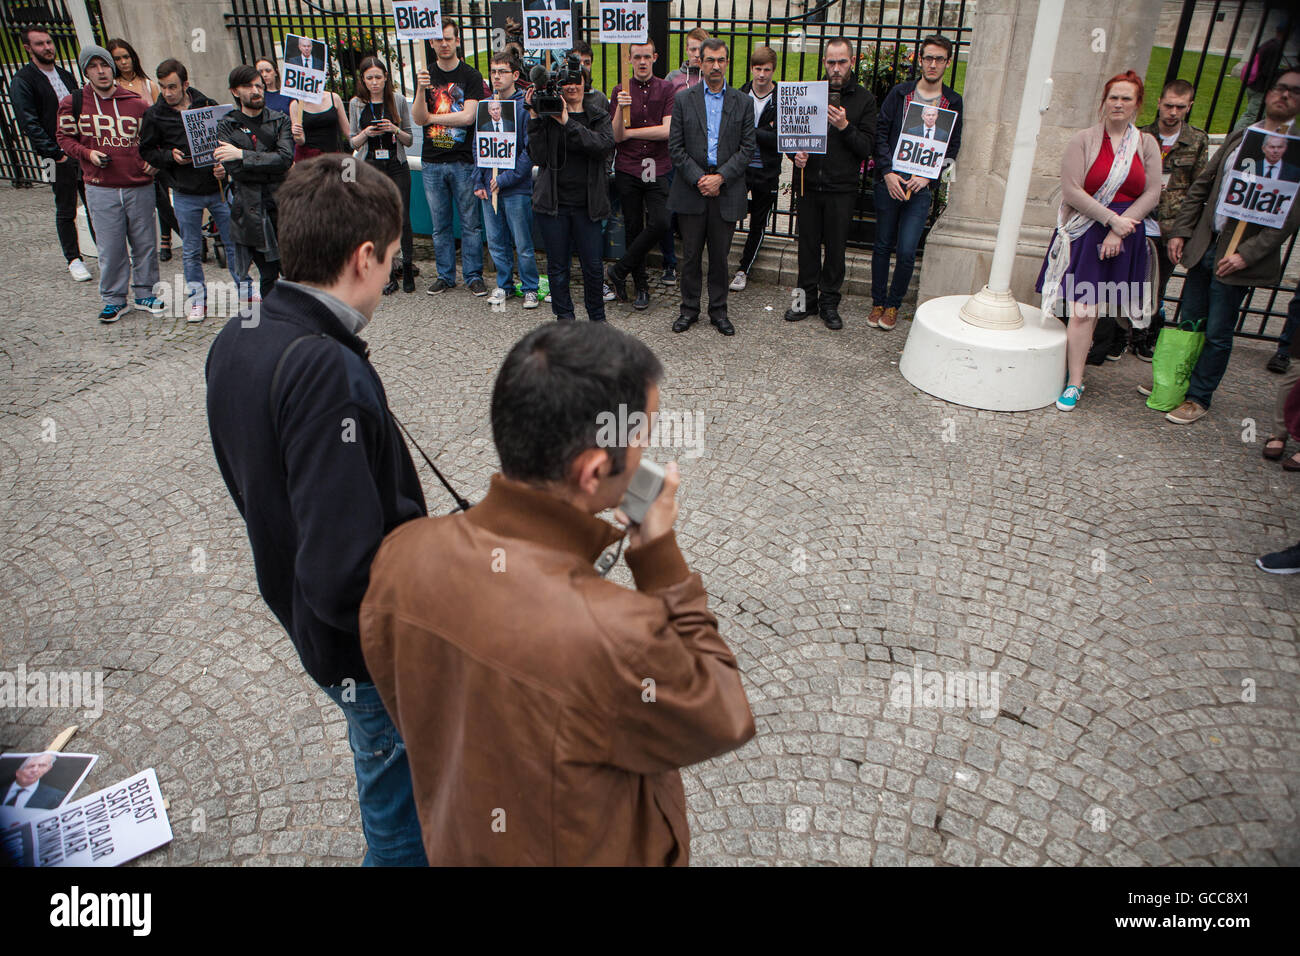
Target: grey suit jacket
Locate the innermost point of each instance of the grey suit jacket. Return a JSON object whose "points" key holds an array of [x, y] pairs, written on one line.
{"points": [[688, 146]]}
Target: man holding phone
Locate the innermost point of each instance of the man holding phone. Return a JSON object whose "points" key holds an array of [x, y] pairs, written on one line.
{"points": [[547, 711], [163, 144]]}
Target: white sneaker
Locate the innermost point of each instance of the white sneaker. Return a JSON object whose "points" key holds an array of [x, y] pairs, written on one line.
{"points": [[497, 297], [79, 271], [738, 283], [530, 300], [197, 313]]}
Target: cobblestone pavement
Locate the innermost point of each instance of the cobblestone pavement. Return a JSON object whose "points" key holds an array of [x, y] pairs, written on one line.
{"points": [[849, 528]]}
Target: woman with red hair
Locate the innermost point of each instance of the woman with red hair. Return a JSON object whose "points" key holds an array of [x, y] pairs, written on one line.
{"points": [[1098, 257]]}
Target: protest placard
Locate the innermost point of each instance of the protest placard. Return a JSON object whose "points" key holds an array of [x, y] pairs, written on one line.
{"points": [[418, 19], [507, 24], [302, 73], [923, 141], [494, 135], [801, 117], [107, 828], [1261, 185], [201, 131], [548, 25], [624, 23]]}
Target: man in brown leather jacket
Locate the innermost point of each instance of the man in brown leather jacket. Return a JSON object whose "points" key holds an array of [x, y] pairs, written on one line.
{"points": [[547, 711]]}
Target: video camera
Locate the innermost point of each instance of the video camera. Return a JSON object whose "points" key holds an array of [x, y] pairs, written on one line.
{"points": [[547, 100]]}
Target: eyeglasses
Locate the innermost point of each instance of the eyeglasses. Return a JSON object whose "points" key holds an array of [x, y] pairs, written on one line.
{"points": [[934, 60], [1287, 89]]}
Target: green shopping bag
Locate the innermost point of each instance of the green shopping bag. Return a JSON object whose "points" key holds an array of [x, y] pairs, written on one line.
{"points": [[543, 288], [1173, 359]]}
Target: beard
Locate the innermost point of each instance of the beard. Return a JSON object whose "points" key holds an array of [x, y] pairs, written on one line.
{"points": [[46, 59]]}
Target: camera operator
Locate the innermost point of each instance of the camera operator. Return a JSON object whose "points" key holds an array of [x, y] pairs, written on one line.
{"points": [[583, 698], [571, 193]]}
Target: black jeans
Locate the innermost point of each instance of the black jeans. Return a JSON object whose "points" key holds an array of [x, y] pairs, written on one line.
{"points": [[761, 201], [701, 230], [267, 272], [645, 220], [400, 174], [572, 229], [67, 185], [823, 221], [166, 214], [1292, 323]]}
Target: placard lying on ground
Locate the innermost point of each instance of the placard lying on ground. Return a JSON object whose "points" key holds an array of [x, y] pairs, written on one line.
{"points": [[624, 23], [494, 135], [201, 131], [1261, 186], [801, 117], [418, 19], [302, 73], [107, 828], [923, 141], [548, 29], [41, 781]]}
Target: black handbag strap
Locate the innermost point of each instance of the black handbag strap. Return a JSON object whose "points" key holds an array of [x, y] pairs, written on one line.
{"points": [[461, 503]]}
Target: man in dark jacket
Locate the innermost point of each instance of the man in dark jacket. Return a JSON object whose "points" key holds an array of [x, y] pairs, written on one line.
{"points": [[255, 149], [35, 93], [827, 186], [711, 143], [315, 463], [763, 175], [571, 193], [164, 145], [903, 202]]}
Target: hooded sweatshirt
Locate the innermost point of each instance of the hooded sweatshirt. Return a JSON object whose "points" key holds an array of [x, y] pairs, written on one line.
{"points": [[110, 125]]}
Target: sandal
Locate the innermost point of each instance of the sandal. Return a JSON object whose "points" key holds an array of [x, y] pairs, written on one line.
{"points": [[1274, 454], [1292, 463]]}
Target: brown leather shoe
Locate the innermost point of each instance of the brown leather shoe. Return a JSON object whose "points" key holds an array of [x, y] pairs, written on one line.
{"points": [[873, 319], [888, 320], [1186, 413]]}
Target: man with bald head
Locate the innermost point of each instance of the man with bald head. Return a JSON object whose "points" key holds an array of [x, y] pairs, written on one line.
{"points": [[27, 791]]}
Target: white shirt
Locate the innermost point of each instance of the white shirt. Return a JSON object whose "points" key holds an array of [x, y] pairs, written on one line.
{"points": [[52, 75], [24, 794], [760, 102]]}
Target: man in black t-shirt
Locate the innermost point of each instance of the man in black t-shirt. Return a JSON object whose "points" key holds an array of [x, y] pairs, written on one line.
{"points": [[446, 104]]}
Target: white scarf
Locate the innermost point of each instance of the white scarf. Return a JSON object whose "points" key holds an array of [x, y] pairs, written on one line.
{"points": [[1058, 253]]}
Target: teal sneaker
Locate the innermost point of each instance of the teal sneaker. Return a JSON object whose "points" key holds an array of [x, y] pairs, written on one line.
{"points": [[112, 313], [1069, 398], [151, 303]]}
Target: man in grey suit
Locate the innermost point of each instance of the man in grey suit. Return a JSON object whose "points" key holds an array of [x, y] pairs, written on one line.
{"points": [[711, 142]]}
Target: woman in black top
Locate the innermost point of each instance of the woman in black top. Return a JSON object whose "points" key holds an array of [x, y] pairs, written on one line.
{"points": [[318, 127], [571, 194], [384, 132]]}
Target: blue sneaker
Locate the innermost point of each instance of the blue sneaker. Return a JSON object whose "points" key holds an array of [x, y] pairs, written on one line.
{"points": [[1069, 398], [112, 313], [151, 303]]}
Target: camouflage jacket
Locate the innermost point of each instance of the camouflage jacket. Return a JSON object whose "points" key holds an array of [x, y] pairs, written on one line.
{"points": [[1181, 165]]}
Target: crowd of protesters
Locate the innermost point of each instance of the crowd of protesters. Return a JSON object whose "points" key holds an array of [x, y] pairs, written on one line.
{"points": [[339, 528]]}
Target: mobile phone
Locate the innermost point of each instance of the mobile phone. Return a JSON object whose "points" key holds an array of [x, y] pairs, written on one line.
{"points": [[642, 491], [833, 98]]}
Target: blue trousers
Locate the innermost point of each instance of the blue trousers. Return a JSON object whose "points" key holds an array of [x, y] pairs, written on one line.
{"points": [[898, 231], [444, 184], [1205, 297]]}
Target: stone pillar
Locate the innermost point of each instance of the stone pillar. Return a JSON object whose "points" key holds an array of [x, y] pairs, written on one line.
{"points": [[192, 31], [959, 250]]}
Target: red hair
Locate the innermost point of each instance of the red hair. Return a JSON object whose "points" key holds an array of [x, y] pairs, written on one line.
{"points": [[1128, 76]]}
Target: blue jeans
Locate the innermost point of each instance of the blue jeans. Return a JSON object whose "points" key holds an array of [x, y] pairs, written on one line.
{"points": [[562, 234], [189, 214], [510, 230], [898, 226], [444, 184], [388, 814], [1205, 297]]}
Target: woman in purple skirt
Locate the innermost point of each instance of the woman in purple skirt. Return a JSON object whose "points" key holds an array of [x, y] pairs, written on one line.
{"points": [[1098, 258]]}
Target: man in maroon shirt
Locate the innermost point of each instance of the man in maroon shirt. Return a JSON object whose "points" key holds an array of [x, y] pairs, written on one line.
{"points": [[641, 164]]}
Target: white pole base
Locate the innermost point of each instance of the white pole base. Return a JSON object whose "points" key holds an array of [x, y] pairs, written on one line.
{"points": [[1002, 370], [86, 244]]}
